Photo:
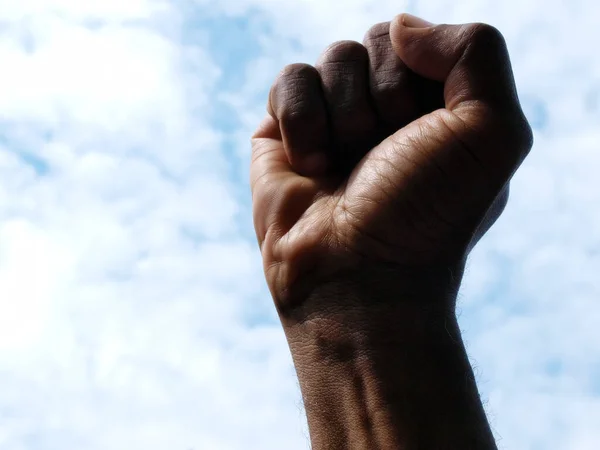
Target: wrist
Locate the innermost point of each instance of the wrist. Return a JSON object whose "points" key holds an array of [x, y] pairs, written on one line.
{"points": [[382, 371], [359, 293]]}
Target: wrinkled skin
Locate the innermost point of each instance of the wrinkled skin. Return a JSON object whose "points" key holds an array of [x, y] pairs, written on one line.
{"points": [[394, 153]]}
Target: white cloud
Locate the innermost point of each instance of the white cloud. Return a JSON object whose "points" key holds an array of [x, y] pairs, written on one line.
{"points": [[82, 9], [123, 281]]}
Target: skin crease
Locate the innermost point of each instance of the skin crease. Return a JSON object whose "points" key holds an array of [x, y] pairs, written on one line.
{"points": [[373, 175]]}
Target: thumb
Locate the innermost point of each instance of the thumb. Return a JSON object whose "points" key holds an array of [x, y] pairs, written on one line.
{"points": [[457, 160], [471, 60]]}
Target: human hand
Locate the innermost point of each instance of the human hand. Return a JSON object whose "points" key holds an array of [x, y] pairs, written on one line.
{"points": [[394, 154]]}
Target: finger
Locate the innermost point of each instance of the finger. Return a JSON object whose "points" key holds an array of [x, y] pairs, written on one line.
{"points": [[296, 102], [269, 167], [391, 82], [279, 195], [344, 73]]}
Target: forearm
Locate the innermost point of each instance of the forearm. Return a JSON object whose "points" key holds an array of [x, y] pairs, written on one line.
{"points": [[385, 373]]}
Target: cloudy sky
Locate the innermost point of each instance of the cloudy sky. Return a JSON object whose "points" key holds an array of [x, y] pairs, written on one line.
{"points": [[133, 312]]}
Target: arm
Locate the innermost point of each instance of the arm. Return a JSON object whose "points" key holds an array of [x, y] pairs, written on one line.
{"points": [[373, 176], [390, 376]]}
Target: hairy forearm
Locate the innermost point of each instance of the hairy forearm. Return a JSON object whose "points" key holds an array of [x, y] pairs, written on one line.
{"points": [[385, 373]]}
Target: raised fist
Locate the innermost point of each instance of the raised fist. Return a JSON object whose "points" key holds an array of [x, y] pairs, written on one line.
{"points": [[393, 155]]}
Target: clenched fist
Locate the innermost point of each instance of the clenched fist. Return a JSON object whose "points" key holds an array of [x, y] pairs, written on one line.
{"points": [[373, 175], [390, 156]]}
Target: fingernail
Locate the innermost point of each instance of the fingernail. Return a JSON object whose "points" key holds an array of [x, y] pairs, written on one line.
{"points": [[410, 21]]}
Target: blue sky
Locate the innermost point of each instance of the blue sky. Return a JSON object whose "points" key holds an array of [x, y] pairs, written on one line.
{"points": [[133, 312]]}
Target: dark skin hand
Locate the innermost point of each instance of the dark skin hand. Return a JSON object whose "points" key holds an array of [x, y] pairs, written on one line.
{"points": [[373, 176]]}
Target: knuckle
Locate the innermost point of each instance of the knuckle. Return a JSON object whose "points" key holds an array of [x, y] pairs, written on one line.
{"points": [[524, 136], [485, 36], [377, 32], [388, 74], [517, 132], [296, 71], [343, 51], [514, 132], [294, 92]]}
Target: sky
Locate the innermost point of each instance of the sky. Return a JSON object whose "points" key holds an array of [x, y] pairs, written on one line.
{"points": [[133, 310]]}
